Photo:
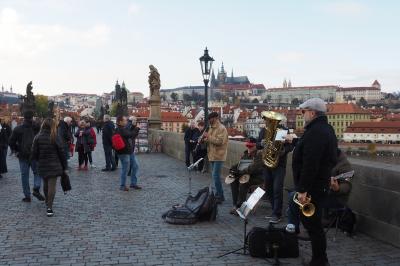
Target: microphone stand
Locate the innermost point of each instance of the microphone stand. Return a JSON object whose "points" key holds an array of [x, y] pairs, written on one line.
{"points": [[190, 168]]}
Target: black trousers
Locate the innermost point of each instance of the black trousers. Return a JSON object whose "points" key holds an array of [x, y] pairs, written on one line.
{"points": [[188, 153], [200, 154], [313, 224], [239, 191], [82, 156]]}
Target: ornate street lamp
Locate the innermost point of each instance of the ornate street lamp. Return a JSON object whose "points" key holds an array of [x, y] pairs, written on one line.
{"points": [[206, 64]]}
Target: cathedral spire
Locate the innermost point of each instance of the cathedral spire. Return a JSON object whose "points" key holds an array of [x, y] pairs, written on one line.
{"points": [[290, 83], [232, 74], [285, 83], [222, 68]]}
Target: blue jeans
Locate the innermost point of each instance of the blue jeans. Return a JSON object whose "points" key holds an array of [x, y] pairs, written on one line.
{"points": [[216, 175], [110, 159], [24, 166], [134, 164], [274, 186], [125, 161]]}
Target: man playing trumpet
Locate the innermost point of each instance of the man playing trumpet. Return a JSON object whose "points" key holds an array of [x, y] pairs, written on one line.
{"points": [[314, 157]]}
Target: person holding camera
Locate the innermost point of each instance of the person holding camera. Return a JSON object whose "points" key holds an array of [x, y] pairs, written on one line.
{"points": [[314, 157]]}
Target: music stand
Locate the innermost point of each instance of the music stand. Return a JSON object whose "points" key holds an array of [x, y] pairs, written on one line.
{"points": [[190, 168], [243, 212]]}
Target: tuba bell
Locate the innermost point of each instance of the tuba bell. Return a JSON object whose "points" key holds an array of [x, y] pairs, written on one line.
{"points": [[272, 148], [308, 209]]}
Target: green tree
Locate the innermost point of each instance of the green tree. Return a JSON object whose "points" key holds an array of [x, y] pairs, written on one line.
{"points": [[174, 96], [113, 109], [362, 102], [41, 105], [295, 101], [187, 97]]}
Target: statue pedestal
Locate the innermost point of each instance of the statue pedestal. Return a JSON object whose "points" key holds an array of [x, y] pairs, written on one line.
{"points": [[155, 112]]}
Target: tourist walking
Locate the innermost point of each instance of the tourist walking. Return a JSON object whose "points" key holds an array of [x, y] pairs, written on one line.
{"points": [[107, 132], [125, 153], [5, 132], [92, 143], [65, 135], [217, 145], [48, 151], [82, 145], [21, 144]]}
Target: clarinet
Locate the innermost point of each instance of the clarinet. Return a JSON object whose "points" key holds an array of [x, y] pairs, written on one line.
{"points": [[200, 139]]}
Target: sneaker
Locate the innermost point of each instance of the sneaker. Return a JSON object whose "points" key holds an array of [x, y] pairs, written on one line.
{"points": [[26, 199], [124, 189], [275, 220], [135, 187], [37, 195], [92, 166], [49, 212]]}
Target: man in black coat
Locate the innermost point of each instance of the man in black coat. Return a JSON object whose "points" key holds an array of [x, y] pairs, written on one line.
{"points": [[107, 133], [190, 142], [314, 157], [21, 144], [65, 135]]}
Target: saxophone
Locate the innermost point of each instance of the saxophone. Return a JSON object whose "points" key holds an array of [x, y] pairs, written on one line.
{"points": [[272, 148]]}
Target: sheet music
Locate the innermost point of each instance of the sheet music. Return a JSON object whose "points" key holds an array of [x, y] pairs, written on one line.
{"points": [[248, 205], [281, 134]]}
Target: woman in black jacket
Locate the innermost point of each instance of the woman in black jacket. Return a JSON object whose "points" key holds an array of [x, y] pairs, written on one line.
{"points": [[47, 150], [5, 132]]}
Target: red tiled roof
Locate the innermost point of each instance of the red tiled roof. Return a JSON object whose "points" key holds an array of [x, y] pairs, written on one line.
{"points": [[165, 116], [374, 127], [345, 108], [234, 132]]}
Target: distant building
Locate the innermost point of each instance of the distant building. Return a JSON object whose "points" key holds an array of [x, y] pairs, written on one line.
{"points": [[180, 91], [373, 132], [135, 97], [340, 116], [8, 97], [170, 121], [287, 94]]}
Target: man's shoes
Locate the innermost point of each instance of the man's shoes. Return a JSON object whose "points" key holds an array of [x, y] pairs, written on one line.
{"points": [[135, 187], [275, 219], [316, 262], [37, 195], [124, 189], [113, 169], [105, 170], [26, 199], [49, 212], [219, 200]]}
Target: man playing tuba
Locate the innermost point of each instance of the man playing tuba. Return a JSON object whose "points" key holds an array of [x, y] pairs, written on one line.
{"points": [[274, 174]]}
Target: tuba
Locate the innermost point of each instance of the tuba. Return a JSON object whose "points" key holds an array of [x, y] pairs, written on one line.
{"points": [[272, 148]]}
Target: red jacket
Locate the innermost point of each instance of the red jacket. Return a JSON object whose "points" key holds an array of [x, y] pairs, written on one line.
{"points": [[93, 134]]}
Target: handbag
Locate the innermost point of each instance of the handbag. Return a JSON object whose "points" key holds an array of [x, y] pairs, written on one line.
{"points": [[65, 183]]}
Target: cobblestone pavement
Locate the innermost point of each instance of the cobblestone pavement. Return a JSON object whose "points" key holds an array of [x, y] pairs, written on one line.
{"points": [[96, 224]]}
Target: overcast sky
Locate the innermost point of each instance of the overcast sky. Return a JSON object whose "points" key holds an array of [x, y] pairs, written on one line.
{"points": [[86, 45]]}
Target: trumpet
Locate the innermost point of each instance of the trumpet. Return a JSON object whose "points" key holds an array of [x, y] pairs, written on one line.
{"points": [[308, 209]]}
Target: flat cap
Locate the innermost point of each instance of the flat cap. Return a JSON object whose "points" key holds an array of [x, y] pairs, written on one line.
{"points": [[315, 104]]}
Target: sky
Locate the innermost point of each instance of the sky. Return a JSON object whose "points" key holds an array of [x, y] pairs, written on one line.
{"points": [[86, 45]]}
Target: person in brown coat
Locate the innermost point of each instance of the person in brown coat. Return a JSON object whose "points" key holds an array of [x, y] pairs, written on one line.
{"points": [[217, 145]]}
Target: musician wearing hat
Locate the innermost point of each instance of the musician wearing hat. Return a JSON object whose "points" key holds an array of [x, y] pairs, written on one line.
{"points": [[314, 157], [246, 173], [217, 145]]}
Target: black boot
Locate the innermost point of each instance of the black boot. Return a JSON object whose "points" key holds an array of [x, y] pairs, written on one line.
{"points": [[37, 194]]}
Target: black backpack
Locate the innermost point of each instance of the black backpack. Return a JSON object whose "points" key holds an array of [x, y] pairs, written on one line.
{"points": [[25, 146], [202, 207]]}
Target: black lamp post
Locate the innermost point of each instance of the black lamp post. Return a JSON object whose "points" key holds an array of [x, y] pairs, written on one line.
{"points": [[206, 63]]}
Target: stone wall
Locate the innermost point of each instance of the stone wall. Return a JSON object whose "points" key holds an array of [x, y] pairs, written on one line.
{"points": [[376, 187]]}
